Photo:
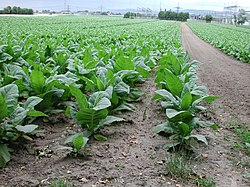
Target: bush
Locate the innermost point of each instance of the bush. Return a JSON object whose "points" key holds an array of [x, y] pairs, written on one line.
{"points": [[129, 15], [208, 18]]}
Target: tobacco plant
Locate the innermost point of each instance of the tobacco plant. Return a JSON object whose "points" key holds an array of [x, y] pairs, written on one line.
{"points": [[181, 99], [15, 119]]}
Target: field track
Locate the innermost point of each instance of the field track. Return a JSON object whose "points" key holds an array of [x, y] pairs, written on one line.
{"points": [[224, 76]]}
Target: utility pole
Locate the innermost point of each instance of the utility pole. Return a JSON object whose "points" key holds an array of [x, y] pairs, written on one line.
{"points": [[65, 5], [160, 6], [178, 8], [68, 9]]}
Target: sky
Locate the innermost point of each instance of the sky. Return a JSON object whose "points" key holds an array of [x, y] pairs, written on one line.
{"points": [[106, 5]]}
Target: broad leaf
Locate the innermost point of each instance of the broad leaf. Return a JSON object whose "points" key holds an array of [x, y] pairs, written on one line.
{"points": [[200, 138], [170, 145], [165, 95], [177, 116], [80, 97], [123, 63], [90, 118], [27, 128], [3, 108], [102, 104], [4, 155], [10, 93], [186, 101], [35, 113], [109, 119], [174, 84], [164, 127], [143, 72], [37, 81], [32, 102], [100, 137], [18, 116], [184, 129], [78, 142], [122, 88]]}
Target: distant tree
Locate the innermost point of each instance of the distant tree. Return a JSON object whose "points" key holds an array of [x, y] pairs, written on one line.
{"points": [[7, 10], [129, 15], [104, 13], [208, 18], [242, 17], [169, 15], [16, 10], [19, 10]]}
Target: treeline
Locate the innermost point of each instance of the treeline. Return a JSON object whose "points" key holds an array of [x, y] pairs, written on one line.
{"points": [[16, 10], [169, 15]]}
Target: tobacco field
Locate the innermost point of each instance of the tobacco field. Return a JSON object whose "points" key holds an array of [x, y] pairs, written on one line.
{"points": [[91, 72]]}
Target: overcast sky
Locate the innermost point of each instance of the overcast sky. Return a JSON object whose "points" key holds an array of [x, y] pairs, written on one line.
{"points": [[123, 4]]}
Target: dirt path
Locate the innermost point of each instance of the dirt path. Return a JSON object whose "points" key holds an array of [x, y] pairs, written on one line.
{"points": [[230, 80]]}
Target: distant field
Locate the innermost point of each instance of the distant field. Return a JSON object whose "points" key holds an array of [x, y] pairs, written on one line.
{"points": [[232, 40]]}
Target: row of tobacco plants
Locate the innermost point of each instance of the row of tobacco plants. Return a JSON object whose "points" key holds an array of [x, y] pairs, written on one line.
{"points": [[84, 67], [182, 99]]}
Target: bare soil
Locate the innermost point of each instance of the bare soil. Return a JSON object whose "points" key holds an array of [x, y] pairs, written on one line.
{"points": [[132, 155]]}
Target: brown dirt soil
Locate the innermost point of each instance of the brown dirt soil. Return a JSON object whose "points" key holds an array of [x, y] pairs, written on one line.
{"points": [[132, 155], [229, 79]]}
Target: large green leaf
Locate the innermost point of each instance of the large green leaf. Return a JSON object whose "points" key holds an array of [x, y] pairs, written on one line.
{"points": [[186, 101], [90, 118], [164, 127], [27, 128], [50, 98], [10, 93], [184, 129], [37, 81], [3, 108], [123, 63], [35, 113], [176, 116], [122, 88], [4, 155], [18, 116], [108, 120], [143, 72], [174, 84], [208, 99], [78, 142], [176, 65], [125, 106], [200, 138], [170, 145], [32, 102], [165, 95], [80, 97], [102, 104]]}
